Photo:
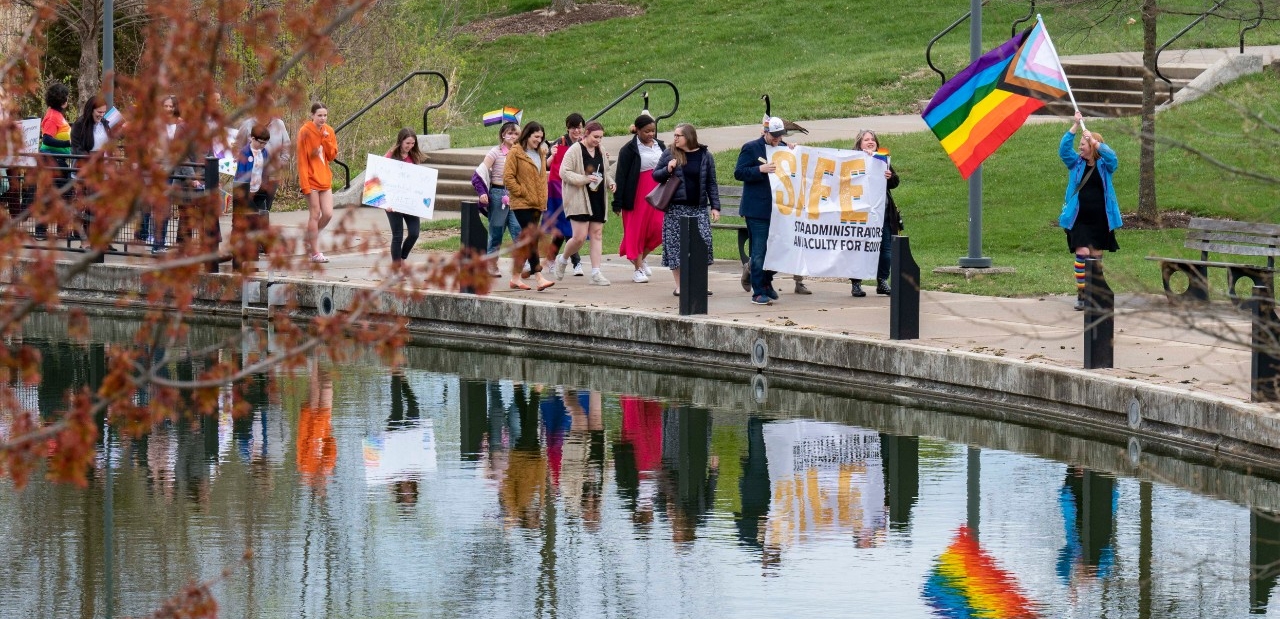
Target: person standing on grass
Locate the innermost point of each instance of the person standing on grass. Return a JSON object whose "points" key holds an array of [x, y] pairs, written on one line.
{"points": [[1090, 212], [753, 169], [585, 176], [317, 146], [404, 227], [526, 180], [641, 223], [868, 142], [497, 200], [693, 164], [561, 230]]}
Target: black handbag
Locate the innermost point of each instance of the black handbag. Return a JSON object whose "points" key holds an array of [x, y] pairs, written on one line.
{"points": [[661, 195]]}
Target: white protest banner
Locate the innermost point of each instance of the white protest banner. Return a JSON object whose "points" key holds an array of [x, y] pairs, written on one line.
{"points": [[30, 144], [399, 186], [828, 207]]}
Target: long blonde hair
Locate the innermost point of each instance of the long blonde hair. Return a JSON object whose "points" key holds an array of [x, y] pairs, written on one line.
{"points": [[690, 143]]}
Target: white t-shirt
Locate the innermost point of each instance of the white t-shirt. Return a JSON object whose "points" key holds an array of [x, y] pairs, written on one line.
{"points": [[649, 155], [99, 137], [259, 164]]}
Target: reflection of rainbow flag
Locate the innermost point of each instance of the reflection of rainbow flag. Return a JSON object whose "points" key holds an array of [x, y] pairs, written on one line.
{"points": [[373, 193], [966, 582], [503, 115]]}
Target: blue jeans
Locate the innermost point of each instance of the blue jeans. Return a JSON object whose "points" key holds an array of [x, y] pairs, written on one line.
{"points": [[758, 237], [886, 254], [500, 218]]}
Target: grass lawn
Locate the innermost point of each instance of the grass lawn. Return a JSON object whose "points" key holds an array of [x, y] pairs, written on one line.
{"points": [[826, 59]]}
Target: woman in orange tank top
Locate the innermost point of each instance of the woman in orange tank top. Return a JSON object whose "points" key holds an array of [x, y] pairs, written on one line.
{"points": [[317, 146]]}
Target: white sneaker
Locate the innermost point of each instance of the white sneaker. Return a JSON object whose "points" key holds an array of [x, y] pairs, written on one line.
{"points": [[639, 277], [644, 266], [598, 279], [577, 271], [561, 264]]}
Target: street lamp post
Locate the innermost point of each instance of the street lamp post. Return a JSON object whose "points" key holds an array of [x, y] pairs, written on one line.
{"points": [[975, 258]]}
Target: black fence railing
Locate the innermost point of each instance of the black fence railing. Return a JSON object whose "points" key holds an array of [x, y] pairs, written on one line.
{"points": [[1195, 22], [150, 232], [346, 170], [675, 105]]}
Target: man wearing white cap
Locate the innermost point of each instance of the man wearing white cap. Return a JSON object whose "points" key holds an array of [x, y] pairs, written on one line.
{"points": [[753, 170]]}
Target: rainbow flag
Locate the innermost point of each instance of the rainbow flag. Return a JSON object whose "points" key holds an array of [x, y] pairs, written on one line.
{"points": [[966, 582], [882, 154], [503, 115], [978, 109]]}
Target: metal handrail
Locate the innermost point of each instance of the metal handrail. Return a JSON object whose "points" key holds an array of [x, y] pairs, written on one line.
{"points": [[1256, 22], [657, 119], [1195, 22], [1013, 31], [425, 111], [928, 50]]}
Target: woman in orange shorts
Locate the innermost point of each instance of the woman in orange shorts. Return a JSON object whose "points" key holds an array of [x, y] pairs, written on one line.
{"points": [[317, 146]]}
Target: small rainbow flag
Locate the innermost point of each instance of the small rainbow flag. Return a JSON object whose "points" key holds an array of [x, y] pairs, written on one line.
{"points": [[503, 115], [882, 154], [978, 109], [966, 582], [373, 194]]}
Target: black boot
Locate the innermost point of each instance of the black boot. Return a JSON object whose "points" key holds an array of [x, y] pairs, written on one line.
{"points": [[882, 286], [1080, 305], [857, 288]]}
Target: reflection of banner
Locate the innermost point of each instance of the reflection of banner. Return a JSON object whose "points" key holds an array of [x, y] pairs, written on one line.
{"points": [[399, 186], [825, 477], [966, 582], [400, 454], [828, 206]]}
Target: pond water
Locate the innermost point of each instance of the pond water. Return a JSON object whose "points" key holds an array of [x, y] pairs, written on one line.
{"points": [[486, 485]]}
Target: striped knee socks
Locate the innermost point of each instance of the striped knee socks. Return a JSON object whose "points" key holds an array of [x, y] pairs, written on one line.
{"points": [[1079, 264]]}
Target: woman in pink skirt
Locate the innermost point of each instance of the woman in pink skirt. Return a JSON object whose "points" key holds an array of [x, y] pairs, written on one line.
{"points": [[641, 223]]}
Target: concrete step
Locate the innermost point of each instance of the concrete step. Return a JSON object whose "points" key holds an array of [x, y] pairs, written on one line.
{"points": [[469, 157], [453, 172], [1129, 84], [1106, 97], [1090, 110], [1177, 72]]}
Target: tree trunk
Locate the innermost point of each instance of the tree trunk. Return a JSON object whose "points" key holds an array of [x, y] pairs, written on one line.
{"points": [[1147, 153], [90, 79], [562, 6]]}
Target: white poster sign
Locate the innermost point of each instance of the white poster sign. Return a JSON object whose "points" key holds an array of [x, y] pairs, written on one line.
{"points": [[828, 209], [30, 144], [399, 186]]}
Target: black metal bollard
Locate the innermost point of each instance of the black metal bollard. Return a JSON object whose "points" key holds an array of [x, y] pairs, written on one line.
{"points": [[904, 294], [1099, 318], [475, 234], [1264, 372], [211, 229], [693, 268]]}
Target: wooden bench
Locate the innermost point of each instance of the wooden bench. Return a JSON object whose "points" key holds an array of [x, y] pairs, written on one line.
{"points": [[730, 200], [1232, 238]]}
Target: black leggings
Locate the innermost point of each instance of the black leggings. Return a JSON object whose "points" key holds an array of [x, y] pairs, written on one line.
{"points": [[400, 250], [527, 217]]}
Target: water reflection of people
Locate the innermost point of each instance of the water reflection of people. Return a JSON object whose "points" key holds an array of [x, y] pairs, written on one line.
{"points": [[638, 456], [523, 491], [582, 478], [1088, 501], [317, 449], [401, 454], [687, 485], [753, 487]]}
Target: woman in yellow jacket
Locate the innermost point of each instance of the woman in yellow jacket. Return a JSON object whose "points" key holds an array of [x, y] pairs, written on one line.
{"points": [[525, 177], [317, 146]]}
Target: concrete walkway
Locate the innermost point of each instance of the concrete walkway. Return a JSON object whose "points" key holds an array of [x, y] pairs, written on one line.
{"points": [[1204, 350]]}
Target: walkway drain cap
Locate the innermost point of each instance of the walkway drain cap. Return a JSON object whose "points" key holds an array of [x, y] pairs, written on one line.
{"points": [[760, 353], [1135, 413], [325, 305]]}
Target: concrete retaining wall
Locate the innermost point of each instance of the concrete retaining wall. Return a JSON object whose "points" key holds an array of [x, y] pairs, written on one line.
{"points": [[1119, 407]]}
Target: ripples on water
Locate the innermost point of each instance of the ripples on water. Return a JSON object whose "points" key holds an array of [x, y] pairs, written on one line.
{"points": [[367, 493]]}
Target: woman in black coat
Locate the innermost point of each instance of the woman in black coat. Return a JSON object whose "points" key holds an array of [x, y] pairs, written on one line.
{"points": [[91, 132], [699, 191]]}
